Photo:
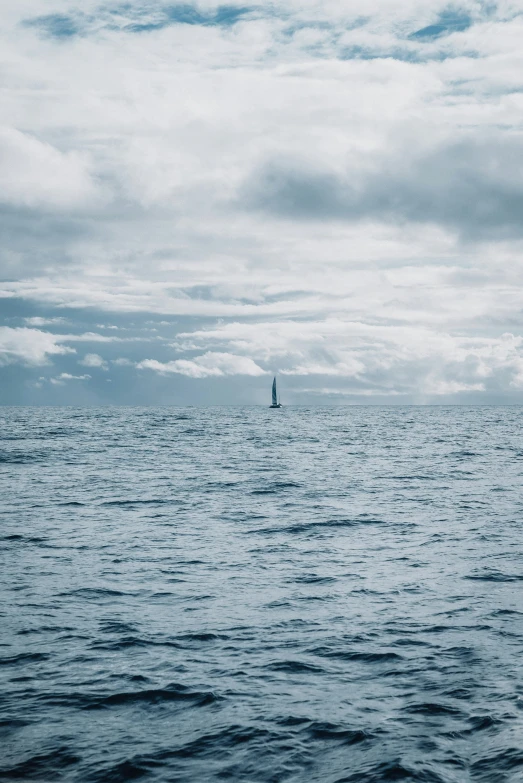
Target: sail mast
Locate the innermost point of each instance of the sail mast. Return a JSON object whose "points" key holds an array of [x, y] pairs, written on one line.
{"points": [[274, 393]]}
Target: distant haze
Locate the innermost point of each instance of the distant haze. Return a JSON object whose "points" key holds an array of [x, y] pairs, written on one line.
{"points": [[194, 198]]}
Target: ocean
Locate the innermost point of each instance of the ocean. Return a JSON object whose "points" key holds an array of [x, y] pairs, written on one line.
{"points": [[304, 595]]}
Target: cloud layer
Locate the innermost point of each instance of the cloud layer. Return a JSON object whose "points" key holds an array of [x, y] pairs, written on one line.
{"points": [[308, 190], [210, 364]]}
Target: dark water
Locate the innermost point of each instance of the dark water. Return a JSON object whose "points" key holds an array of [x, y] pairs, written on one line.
{"points": [[252, 595]]}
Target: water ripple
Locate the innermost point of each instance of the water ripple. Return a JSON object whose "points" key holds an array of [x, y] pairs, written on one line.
{"points": [[300, 596]]}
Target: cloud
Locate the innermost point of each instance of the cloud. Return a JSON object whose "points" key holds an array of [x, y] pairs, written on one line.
{"points": [[61, 379], [94, 360], [325, 391], [135, 18], [54, 25], [123, 362], [34, 346], [326, 193], [30, 346], [92, 337], [453, 387], [469, 185], [38, 320], [35, 174], [371, 359], [210, 364]]}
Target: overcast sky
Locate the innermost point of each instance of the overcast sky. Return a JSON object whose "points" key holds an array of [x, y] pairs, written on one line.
{"points": [[196, 197]]}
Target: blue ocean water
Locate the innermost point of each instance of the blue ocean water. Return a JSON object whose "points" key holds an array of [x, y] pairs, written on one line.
{"points": [[316, 595]]}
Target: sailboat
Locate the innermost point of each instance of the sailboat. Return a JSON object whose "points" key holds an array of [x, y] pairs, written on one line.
{"points": [[275, 401]]}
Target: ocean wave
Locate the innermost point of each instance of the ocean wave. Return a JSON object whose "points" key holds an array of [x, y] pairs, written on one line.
{"points": [[215, 595], [218, 744], [294, 667], [174, 692], [89, 593], [9, 726], [489, 575], [382, 772], [21, 457], [334, 732], [508, 761], [316, 526], [433, 708], [128, 503], [23, 658], [314, 579], [365, 656], [22, 539], [275, 487], [42, 765]]}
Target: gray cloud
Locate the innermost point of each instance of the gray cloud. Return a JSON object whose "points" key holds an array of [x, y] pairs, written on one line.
{"points": [[471, 186]]}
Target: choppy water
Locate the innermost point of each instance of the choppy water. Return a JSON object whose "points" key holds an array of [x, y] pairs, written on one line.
{"points": [[251, 595]]}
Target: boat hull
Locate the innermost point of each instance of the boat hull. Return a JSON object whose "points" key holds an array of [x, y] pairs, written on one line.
{"points": [[276, 406]]}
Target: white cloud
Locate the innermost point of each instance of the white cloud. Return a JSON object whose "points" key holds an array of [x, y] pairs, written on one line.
{"points": [[34, 346], [61, 379], [33, 173], [326, 391], [94, 360], [41, 321], [30, 346], [208, 365], [381, 358], [123, 362], [89, 337], [452, 387]]}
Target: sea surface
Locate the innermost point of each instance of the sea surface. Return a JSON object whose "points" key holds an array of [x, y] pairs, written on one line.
{"points": [[316, 595]]}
